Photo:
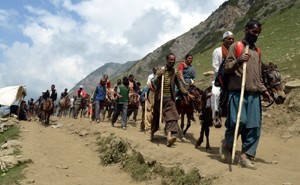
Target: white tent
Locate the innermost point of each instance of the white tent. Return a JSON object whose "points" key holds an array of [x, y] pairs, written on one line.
{"points": [[11, 94]]}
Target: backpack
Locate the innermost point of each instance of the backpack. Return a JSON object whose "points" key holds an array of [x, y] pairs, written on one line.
{"points": [[221, 79]]}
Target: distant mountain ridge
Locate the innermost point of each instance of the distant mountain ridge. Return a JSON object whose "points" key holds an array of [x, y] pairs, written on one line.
{"points": [[231, 15], [111, 69]]}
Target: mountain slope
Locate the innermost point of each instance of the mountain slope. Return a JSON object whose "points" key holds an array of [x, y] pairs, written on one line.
{"points": [[111, 69], [231, 15]]}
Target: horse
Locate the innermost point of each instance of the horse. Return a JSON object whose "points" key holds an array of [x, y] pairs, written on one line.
{"points": [[108, 105], [83, 108], [272, 81], [186, 106], [47, 110], [133, 105], [80, 105], [36, 109], [64, 105]]}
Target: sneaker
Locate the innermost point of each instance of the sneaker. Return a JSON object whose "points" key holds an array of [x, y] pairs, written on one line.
{"points": [[124, 128], [98, 120], [247, 164], [224, 151]]}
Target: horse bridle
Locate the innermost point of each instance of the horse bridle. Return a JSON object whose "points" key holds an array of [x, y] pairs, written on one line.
{"points": [[271, 74]]}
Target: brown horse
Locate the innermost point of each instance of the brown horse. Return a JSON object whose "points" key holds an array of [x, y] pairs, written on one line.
{"points": [[272, 81], [133, 105], [186, 106], [64, 105], [108, 105], [36, 109], [47, 110], [82, 109]]}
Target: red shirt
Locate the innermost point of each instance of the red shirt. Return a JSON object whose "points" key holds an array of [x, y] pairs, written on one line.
{"points": [[181, 66], [83, 93], [108, 84]]}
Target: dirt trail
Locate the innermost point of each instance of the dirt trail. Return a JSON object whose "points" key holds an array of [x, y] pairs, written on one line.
{"points": [[53, 149], [60, 158]]}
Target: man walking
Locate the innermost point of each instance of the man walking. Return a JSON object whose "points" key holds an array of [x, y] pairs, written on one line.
{"points": [[122, 103], [250, 122], [99, 97], [169, 111]]}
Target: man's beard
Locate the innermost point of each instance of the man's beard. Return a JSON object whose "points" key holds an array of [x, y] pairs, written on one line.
{"points": [[251, 38]]}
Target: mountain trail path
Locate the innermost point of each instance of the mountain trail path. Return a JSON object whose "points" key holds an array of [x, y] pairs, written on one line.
{"points": [[65, 153]]}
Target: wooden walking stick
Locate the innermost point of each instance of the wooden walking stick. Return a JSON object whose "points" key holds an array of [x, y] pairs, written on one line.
{"points": [[161, 97], [145, 116], [91, 111], [240, 107]]}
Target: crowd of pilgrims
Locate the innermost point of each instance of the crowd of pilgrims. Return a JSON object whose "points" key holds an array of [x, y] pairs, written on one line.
{"points": [[103, 98], [158, 98]]}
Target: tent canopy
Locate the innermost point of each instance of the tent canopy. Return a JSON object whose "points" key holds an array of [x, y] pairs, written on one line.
{"points": [[11, 94]]}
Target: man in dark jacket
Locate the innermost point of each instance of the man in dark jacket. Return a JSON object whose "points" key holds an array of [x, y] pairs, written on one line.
{"points": [[99, 97]]}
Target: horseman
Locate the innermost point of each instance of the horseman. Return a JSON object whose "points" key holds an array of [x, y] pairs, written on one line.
{"points": [[51, 94], [218, 56], [63, 102], [187, 75], [81, 91], [78, 100], [64, 94], [169, 111]]}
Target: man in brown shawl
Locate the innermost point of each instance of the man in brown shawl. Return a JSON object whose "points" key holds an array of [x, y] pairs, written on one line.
{"points": [[169, 112]]}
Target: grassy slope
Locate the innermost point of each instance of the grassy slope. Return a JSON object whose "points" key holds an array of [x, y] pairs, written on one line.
{"points": [[279, 43]]}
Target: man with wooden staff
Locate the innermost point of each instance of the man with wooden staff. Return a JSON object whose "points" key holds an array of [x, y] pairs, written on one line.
{"points": [[250, 120], [169, 112]]}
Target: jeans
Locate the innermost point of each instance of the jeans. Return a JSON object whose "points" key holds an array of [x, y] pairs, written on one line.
{"points": [[98, 107], [120, 108]]}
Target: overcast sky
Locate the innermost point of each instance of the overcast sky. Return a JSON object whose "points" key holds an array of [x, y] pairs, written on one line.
{"points": [[44, 42]]}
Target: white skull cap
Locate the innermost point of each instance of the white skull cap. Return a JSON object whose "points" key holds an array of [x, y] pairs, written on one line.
{"points": [[227, 34]]}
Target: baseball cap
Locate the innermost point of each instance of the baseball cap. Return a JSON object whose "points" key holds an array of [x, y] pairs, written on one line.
{"points": [[81, 86], [227, 34]]}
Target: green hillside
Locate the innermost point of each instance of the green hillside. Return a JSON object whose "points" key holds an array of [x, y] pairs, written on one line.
{"points": [[279, 43]]}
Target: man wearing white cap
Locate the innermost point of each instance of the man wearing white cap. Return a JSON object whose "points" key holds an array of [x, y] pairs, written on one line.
{"points": [[219, 54], [81, 91]]}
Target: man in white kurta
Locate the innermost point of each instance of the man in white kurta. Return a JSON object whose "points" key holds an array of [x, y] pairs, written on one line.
{"points": [[218, 55]]}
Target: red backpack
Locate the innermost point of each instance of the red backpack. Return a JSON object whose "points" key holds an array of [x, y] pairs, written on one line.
{"points": [[221, 79], [239, 49]]}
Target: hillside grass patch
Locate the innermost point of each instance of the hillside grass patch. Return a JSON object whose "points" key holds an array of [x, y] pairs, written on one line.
{"points": [[12, 133], [278, 42]]}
